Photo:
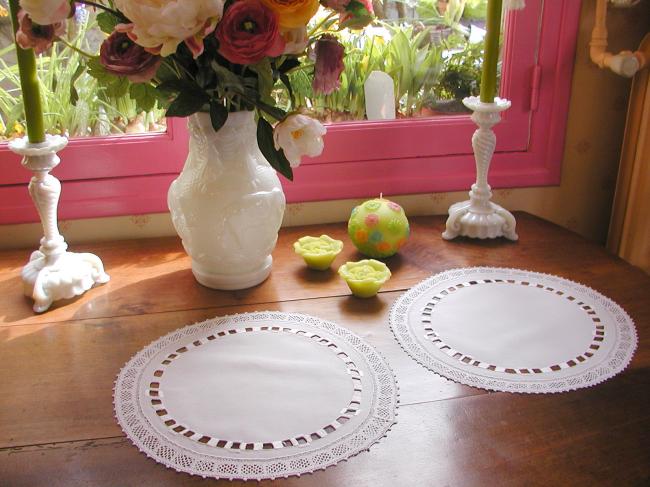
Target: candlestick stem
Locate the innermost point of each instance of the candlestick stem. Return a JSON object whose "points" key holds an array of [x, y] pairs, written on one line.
{"points": [[479, 217]]}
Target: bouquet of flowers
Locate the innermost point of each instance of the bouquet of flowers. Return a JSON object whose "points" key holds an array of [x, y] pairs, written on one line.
{"points": [[212, 56]]}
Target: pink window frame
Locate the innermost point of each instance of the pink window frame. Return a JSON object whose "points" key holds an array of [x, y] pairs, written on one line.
{"points": [[130, 175]]}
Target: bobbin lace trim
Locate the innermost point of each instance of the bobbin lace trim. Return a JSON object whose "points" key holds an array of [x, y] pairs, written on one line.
{"points": [[374, 415], [418, 338]]}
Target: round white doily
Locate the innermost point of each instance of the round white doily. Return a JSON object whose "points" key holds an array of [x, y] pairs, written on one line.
{"points": [[256, 396], [513, 330]]}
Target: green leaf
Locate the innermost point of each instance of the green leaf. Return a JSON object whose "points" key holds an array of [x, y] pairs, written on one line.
{"points": [[74, 94], [177, 85], [289, 64], [118, 87], [274, 111], [227, 79], [97, 71], [276, 158], [205, 77], [107, 22], [186, 104], [285, 80], [265, 79], [166, 73], [144, 95], [355, 7], [218, 114]]}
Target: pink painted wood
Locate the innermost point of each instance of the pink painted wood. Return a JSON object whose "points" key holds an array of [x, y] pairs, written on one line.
{"points": [[88, 158], [131, 175]]}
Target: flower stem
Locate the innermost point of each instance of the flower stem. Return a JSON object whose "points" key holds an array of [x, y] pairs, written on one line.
{"points": [[187, 72], [321, 24], [102, 7], [75, 48]]}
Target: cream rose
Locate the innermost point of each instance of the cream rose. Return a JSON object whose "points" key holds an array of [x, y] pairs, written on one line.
{"points": [[46, 12], [161, 25], [298, 135]]}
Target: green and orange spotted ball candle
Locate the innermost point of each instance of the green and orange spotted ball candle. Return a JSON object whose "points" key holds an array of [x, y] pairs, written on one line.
{"points": [[378, 228]]}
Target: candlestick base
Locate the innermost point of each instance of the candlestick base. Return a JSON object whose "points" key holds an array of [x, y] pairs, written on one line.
{"points": [[70, 275], [479, 217], [52, 272], [466, 221]]}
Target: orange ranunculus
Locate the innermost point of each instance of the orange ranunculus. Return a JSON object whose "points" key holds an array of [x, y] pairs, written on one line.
{"points": [[293, 13]]}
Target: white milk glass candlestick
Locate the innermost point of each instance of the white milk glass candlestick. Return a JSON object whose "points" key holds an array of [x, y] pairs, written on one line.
{"points": [[479, 217], [52, 273]]}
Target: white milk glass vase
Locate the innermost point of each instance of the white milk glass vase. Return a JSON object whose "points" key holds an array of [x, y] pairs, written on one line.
{"points": [[227, 204]]}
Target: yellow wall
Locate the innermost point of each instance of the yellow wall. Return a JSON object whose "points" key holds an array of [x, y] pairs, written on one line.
{"points": [[581, 203]]}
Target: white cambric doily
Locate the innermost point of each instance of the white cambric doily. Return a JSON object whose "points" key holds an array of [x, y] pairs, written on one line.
{"points": [[513, 330], [256, 396]]}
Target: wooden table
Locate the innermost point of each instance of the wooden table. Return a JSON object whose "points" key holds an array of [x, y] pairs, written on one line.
{"points": [[57, 370]]}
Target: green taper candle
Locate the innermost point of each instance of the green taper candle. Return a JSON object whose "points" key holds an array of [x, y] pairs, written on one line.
{"points": [[29, 84], [491, 58]]}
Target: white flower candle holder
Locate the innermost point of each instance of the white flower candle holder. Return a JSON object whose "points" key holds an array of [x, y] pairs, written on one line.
{"points": [[52, 272], [479, 217]]}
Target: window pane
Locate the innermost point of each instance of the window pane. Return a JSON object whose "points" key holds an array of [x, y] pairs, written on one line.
{"points": [[430, 49], [97, 111]]}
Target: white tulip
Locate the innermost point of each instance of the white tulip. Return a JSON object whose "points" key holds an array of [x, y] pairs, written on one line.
{"points": [[296, 40], [46, 12], [161, 25], [299, 135]]}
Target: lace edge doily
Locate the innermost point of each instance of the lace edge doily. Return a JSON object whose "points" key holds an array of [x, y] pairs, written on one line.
{"points": [[191, 462], [398, 322]]}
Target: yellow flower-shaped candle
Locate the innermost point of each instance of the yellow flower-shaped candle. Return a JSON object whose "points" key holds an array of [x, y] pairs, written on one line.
{"points": [[318, 252], [366, 277]]}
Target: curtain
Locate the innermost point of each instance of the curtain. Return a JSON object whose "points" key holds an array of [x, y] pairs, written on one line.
{"points": [[629, 232]]}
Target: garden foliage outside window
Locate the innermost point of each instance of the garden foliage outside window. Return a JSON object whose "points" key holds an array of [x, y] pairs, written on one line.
{"points": [[430, 48]]}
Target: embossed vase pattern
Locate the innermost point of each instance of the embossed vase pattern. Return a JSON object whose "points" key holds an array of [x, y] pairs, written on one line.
{"points": [[227, 204]]}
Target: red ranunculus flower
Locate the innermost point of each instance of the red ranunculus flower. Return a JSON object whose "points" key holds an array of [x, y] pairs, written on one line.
{"points": [[329, 64], [35, 36], [248, 32], [123, 57]]}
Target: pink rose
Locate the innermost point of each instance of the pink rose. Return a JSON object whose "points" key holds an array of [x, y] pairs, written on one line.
{"points": [[248, 32], [336, 5], [46, 12], [122, 57], [35, 36], [357, 15], [329, 64]]}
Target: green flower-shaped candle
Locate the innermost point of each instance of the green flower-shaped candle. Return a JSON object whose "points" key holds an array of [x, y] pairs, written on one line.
{"points": [[365, 277], [378, 228], [318, 252]]}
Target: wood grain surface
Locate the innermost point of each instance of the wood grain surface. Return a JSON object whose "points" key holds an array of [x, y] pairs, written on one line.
{"points": [[57, 370]]}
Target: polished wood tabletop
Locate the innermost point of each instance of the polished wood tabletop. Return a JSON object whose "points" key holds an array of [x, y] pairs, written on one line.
{"points": [[57, 369]]}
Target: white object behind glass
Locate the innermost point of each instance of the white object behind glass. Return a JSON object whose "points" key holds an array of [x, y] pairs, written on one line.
{"points": [[380, 96]]}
